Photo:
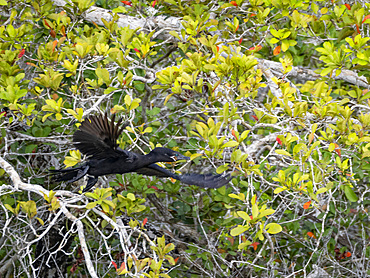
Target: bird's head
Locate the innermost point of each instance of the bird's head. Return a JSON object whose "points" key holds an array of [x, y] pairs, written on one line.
{"points": [[167, 155]]}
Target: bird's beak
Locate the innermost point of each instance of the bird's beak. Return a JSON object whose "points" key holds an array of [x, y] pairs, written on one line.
{"points": [[180, 157]]}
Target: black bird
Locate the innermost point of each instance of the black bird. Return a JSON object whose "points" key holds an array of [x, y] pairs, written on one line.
{"points": [[97, 139]]}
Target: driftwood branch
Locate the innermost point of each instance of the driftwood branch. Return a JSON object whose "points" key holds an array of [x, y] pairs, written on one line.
{"points": [[164, 24]]}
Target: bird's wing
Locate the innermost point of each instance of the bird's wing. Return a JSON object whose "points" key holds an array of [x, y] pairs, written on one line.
{"points": [[201, 180], [97, 137]]}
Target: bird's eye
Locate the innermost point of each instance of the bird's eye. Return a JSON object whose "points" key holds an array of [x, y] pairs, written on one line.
{"points": [[173, 157]]}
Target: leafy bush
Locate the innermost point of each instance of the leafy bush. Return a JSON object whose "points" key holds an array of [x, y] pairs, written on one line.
{"points": [[274, 93]]}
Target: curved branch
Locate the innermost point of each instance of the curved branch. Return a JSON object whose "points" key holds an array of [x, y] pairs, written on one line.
{"points": [[38, 189], [309, 74]]}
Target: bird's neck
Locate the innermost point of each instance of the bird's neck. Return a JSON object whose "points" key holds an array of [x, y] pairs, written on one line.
{"points": [[150, 158]]}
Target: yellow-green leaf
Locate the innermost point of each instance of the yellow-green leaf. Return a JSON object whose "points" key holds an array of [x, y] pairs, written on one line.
{"points": [[244, 244], [278, 190], [283, 152], [91, 205], [240, 196], [331, 147], [321, 190], [41, 221], [366, 154], [230, 144], [255, 211], [364, 139], [70, 161], [266, 212], [9, 208], [244, 215], [273, 228], [238, 230]]}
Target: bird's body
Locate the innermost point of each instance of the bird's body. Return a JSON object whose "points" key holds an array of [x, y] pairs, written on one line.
{"points": [[121, 165], [97, 138]]}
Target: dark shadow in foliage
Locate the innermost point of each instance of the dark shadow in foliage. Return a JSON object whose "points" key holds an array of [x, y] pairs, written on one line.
{"points": [[48, 263]]}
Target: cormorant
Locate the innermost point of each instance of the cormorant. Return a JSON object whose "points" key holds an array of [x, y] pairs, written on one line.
{"points": [[97, 139]]}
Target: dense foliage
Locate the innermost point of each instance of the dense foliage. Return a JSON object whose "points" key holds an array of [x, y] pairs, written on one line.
{"points": [[273, 92]]}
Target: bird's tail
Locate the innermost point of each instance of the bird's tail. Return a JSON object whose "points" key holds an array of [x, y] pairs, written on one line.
{"points": [[70, 174], [205, 180]]}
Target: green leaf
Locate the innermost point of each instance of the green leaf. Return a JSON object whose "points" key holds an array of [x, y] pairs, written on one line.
{"points": [[325, 71], [283, 152], [11, 31], [350, 194], [175, 34], [29, 208], [91, 205], [321, 190], [135, 104], [140, 86], [244, 244], [314, 8], [366, 154], [365, 96], [72, 160], [120, 9], [171, 2], [230, 144], [9, 208], [3, 3], [284, 45], [103, 74], [105, 207], [331, 147], [109, 90], [255, 210], [278, 190], [244, 215], [364, 139], [222, 168], [238, 230], [108, 202], [266, 212], [170, 260], [240, 196], [273, 228], [40, 220], [275, 33], [131, 196]]}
